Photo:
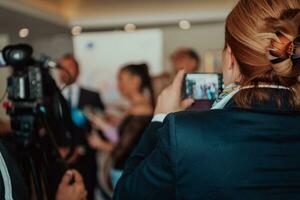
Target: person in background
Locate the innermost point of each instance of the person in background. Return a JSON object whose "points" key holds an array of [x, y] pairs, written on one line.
{"points": [[187, 59], [246, 147], [83, 158], [134, 83], [183, 58]]}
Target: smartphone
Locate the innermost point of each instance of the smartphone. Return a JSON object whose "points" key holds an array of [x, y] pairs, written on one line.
{"points": [[203, 86]]}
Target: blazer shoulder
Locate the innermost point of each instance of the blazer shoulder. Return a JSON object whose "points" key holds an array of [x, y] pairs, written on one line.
{"points": [[188, 118], [88, 92], [194, 125]]}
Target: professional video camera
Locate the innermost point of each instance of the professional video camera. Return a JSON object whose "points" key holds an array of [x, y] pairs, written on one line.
{"points": [[40, 118]]}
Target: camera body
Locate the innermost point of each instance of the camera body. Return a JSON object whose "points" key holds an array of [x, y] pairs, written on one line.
{"points": [[25, 92], [26, 85], [34, 96]]}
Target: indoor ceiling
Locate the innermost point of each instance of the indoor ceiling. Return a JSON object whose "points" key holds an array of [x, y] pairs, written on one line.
{"points": [[12, 21], [104, 13]]}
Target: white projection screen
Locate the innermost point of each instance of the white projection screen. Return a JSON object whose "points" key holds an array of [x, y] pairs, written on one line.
{"points": [[100, 56]]}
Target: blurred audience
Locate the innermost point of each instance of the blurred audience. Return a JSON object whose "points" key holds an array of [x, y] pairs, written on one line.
{"points": [[83, 158], [134, 83]]}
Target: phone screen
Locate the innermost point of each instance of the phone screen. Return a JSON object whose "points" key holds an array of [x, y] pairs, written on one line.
{"points": [[202, 86]]}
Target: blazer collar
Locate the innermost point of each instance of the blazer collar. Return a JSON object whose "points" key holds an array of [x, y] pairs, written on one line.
{"points": [[268, 106]]}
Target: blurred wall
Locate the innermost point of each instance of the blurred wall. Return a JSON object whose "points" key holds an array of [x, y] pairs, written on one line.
{"points": [[53, 46], [4, 73]]}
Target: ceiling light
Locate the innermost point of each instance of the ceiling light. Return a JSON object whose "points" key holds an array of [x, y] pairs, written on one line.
{"points": [[23, 33], [130, 27], [185, 25], [76, 30]]}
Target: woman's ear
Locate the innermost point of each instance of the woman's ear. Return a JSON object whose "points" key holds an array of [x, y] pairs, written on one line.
{"points": [[231, 69], [226, 58], [234, 66], [231, 57]]}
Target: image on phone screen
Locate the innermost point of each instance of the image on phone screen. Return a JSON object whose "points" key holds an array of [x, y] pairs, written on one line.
{"points": [[202, 86]]}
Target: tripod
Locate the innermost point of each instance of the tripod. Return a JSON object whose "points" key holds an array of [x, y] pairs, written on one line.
{"points": [[39, 156]]}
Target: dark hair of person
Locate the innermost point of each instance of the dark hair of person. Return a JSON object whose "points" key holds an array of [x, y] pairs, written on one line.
{"points": [[194, 55], [142, 71]]}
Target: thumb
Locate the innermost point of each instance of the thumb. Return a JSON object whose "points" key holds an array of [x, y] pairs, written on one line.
{"points": [[177, 83], [67, 178], [187, 103]]}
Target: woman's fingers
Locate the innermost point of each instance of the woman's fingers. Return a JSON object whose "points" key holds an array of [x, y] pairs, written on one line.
{"points": [[187, 103], [170, 99], [177, 83]]}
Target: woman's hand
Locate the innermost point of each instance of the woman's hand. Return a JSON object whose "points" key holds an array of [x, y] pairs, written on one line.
{"points": [[99, 122], [113, 119], [170, 99], [97, 143], [71, 187]]}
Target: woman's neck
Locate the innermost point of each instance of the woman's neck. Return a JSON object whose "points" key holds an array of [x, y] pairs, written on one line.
{"points": [[140, 105], [137, 98]]}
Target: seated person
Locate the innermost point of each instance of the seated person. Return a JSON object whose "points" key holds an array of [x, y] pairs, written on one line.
{"points": [[134, 83], [248, 146]]}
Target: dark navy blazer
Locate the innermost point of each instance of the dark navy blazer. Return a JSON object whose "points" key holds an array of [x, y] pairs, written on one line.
{"points": [[219, 154]]}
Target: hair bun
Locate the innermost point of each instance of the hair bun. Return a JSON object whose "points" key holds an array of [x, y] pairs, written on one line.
{"points": [[282, 48], [284, 45], [296, 48]]}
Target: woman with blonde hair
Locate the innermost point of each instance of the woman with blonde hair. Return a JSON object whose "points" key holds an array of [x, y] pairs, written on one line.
{"points": [[247, 146]]}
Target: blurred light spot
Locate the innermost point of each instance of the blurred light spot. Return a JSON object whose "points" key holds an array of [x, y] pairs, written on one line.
{"points": [[76, 30], [24, 32], [185, 25], [130, 27]]}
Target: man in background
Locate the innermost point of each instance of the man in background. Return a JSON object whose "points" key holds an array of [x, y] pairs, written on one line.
{"points": [[83, 158], [187, 59], [182, 58]]}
